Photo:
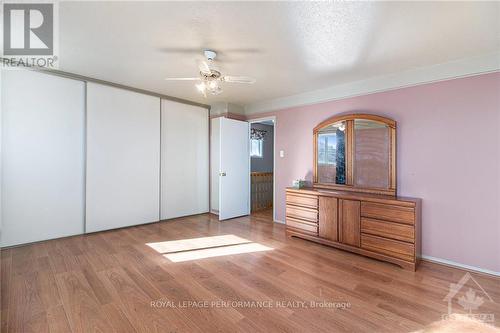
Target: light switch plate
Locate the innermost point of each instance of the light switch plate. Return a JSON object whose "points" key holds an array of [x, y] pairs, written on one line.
{"points": [[282, 153]]}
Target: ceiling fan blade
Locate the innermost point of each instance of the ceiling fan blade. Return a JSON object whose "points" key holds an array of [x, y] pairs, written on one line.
{"points": [[238, 79], [196, 50], [204, 67], [182, 79]]}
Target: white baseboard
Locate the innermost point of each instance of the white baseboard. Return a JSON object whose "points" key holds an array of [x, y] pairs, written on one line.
{"points": [[458, 265]]}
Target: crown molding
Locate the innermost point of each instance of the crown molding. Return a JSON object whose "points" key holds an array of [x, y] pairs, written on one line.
{"points": [[483, 64]]}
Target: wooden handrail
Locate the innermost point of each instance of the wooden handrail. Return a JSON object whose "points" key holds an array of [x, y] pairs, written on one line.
{"points": [[262, 190]]}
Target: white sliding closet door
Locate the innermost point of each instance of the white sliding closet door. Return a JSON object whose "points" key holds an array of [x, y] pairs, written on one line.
{"points": [[123, 158], [43, 120], [184, 160]]}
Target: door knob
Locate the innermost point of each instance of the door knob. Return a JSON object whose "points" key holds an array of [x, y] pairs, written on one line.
{"points": [[222, 174]]}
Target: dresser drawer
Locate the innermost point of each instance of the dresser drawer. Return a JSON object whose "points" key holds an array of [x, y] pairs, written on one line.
{"points": [[303, 213], [394, 213], [389, 247], [387, 229], [302, 225], [302, 200]]}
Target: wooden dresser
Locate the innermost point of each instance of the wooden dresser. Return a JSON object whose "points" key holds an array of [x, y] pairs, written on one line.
{"points": [[378, 226]]}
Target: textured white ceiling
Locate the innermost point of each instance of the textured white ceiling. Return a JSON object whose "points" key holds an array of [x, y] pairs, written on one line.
{"points": [[289, 47]]}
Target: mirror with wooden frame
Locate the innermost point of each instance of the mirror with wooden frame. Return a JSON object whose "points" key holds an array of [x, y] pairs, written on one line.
{"points": [[356, 152]]}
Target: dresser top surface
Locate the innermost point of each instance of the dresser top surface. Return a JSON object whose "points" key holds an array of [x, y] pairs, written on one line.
{"points": [[354, 195]]}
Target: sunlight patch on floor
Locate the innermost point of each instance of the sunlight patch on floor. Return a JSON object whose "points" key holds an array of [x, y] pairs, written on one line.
{"points": [[196, 243], [216, 252], [206, 247]]}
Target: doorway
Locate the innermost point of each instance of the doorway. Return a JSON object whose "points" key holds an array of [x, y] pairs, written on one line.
{"points": [[262, 167]]}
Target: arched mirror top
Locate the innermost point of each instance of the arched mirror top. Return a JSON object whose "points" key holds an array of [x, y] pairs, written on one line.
{"points": [[367, 117], [356, 152]]}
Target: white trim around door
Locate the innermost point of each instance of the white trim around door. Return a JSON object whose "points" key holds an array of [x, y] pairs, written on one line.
{"points": [[259, 120]]}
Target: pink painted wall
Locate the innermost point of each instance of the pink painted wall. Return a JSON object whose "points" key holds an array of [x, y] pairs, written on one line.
{"points": [[448, 155]]}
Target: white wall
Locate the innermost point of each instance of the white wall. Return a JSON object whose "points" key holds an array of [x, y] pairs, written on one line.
{"points": [[184, 160], [123, 158], [218, 109], [42, 157], [224, 109], [448, 145], [1, 164], [214, 164]]}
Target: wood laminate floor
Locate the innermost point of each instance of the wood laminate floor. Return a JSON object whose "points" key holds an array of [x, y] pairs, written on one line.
{"points": [[240, 275]]}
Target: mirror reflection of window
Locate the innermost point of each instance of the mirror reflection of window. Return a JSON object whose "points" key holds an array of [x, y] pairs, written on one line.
{"points": [[371, 154], [331, 154], [327, 148]]}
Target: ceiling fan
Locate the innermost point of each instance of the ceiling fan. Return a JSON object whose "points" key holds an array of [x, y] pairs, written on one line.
{"points": [[211, 78]]}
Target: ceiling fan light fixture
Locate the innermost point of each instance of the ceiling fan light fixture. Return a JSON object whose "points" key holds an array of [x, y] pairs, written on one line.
{"points": [[210, 76], [213, 84], [201, 87], [217, 90], [213, 87], [210, 86]]}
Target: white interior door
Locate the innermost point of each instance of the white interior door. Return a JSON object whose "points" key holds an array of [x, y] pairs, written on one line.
{"points": [[234, 169], [42, 156], [123, 158], [184, 160]]}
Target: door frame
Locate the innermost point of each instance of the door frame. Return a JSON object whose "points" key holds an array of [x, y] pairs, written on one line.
{"points": [[259, 120]]}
